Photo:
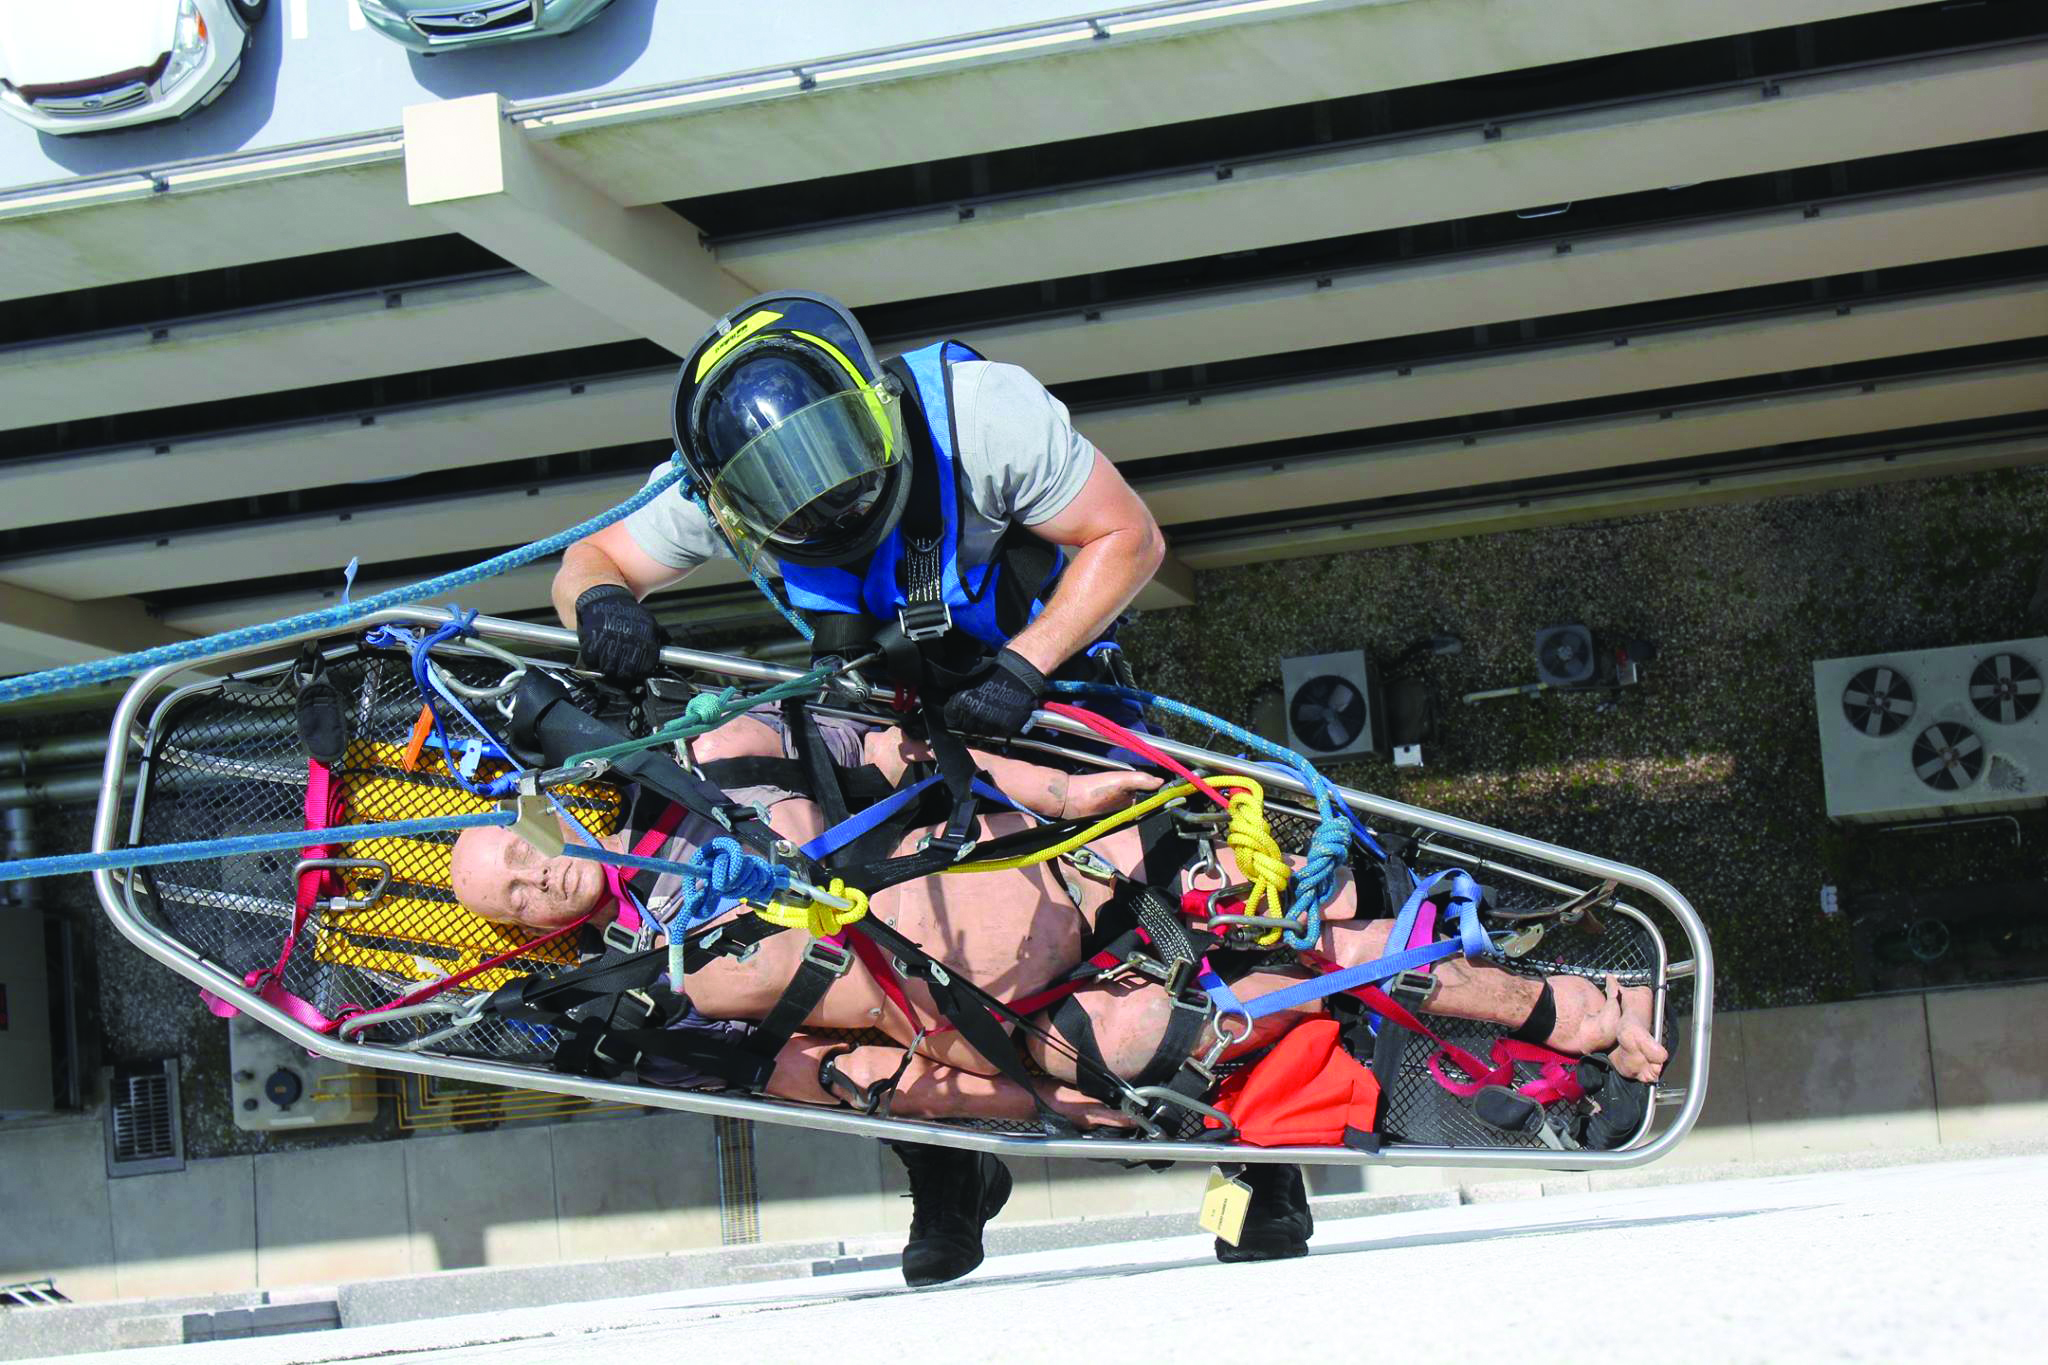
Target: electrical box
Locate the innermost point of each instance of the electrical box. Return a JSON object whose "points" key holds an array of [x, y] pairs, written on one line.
{"points": [[1332, 705], [25, 1072], [1936, 733], [276, 1084]]}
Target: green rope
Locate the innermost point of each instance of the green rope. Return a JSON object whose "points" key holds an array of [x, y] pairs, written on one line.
{"points": [[705, 712]]}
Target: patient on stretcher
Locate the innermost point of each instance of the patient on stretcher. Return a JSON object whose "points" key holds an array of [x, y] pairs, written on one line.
{"points": [[1014, 933]]}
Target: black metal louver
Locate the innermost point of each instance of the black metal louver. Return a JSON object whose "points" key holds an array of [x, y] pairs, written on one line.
{"points": [[143, 1131]]}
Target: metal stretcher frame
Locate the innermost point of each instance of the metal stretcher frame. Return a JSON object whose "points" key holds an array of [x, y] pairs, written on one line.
{"points": [[1472, 842]]}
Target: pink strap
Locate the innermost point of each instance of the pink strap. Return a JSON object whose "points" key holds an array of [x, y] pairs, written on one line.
{"points": [[645, 847], [1110, 730]]}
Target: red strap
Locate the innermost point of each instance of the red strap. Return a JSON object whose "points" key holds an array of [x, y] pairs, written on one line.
{"points": [[1110, 730]]}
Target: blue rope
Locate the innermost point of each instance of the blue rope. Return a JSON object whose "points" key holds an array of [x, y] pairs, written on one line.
{"points": [[421, 648], [724, 871], [1316, 883], [74, 676], [200, 850], [803, 627]]}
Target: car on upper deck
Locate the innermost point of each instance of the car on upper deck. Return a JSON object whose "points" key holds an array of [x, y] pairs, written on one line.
{"points": [[438, 26], [93, 67]]}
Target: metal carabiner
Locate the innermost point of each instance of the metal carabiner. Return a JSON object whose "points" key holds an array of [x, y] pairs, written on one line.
{"points": [[1224, 1041], [1160, 1094], [504, 687], [342, 904]]}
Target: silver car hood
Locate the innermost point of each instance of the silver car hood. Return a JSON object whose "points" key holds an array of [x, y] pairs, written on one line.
{"points": [[51, 42]]}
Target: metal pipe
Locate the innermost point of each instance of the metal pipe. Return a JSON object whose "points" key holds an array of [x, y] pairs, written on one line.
{"points": [[75, 785], [21, 844], [21, 755], [114, 895]]}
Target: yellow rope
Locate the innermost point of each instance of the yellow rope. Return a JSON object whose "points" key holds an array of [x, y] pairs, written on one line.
{"points": [[1249, 835], [822, 920]]}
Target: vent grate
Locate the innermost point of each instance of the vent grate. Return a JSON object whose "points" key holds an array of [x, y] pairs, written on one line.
{"points": [[143, 1131], [739, 1195]]}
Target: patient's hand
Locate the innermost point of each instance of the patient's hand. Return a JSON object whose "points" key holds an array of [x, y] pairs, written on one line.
{"points": [[1101, 793]]}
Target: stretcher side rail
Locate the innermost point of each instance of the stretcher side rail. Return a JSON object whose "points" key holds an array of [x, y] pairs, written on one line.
{"points": [[1497, 848]]}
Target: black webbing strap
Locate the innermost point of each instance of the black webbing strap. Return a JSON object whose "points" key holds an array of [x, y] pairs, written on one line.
{"points": [[820, 772], [1167, 849], [971, 1011], [823, 963]]}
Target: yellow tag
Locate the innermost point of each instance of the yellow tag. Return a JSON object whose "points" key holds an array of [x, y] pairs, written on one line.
{"points": [[1224, 1203]]}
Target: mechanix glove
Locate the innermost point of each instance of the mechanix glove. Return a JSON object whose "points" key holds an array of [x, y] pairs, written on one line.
{"points": [[1002, 702], [616, 635]]}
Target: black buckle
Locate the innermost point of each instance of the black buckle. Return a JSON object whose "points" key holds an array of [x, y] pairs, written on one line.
{"points": [[1411, 988], [923, 621]]}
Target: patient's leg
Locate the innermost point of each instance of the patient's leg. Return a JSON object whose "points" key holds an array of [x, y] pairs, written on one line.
{"points": [[1588, 1018], [927, 1089]]}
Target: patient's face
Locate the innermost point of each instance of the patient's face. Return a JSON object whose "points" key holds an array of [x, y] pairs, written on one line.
{"points": [[502, 877]]}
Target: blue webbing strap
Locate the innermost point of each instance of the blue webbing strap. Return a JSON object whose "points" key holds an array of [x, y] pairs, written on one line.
{"points": [[853, 826], [1471, 942]]}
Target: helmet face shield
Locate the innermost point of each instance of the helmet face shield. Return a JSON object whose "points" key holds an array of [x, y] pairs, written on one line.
{"points": [[813, 479], [792, 431]]}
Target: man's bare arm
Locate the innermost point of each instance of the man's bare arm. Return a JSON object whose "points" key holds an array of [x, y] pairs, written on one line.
{"points": [[1118, 547], [609, 556]]}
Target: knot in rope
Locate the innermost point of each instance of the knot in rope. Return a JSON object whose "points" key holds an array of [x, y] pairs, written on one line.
{"points": [[1258, 855], [725, 871], [1317, 882], [708, 708], [822, 920]]}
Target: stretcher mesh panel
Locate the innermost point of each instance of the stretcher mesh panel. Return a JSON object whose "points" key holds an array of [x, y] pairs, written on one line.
{"points": [[1416, 1109], [226, 761]]}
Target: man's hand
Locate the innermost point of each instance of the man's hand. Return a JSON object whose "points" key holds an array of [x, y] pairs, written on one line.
{"points": [[617, 636], [1001, 703]]}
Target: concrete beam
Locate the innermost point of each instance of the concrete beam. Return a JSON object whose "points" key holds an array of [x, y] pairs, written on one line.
{"points": [[1606, 367], [1210, 326], [1290, 486], [1527, 281], [1428, 177], [480, 175], [1635, 500], [269, 219], [1144, 80], [39, 630], [361, 336], [1172, 586], [658, 155], [304, 544]]}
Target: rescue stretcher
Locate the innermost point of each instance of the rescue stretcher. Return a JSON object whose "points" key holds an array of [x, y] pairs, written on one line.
{"points": [[218, 756]]}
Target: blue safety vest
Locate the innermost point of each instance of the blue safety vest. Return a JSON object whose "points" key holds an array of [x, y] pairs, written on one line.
{"points": [[967, 588]]}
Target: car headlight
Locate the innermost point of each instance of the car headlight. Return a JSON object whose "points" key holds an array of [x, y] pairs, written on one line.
{"points": [[371, 9], [9, 95], [188, 45]]}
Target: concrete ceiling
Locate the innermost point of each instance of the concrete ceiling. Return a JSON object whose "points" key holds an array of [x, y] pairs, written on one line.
{"points": [[1787, 307]]}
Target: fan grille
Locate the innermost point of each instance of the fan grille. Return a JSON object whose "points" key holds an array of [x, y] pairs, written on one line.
{"points": [[1328, 713], [2005, 688], [1878, 701], [1947, 756]]}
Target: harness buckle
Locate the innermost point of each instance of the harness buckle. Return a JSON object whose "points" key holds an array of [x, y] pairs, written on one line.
{"points": [[1411, 987], [835, 958], [923, 621], [626, 940]]}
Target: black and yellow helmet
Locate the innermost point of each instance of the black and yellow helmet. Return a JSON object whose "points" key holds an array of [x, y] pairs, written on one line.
{"points": [[793, 433]]}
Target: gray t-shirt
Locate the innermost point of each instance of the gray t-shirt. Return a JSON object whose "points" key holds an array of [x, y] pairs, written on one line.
{"points": [[1023, 460]]}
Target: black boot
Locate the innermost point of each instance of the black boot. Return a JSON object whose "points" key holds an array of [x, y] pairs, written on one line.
{"points": [[953, 1194], [1278, 1223]]}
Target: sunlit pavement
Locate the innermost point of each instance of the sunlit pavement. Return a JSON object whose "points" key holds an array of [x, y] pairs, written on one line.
{"points": [[1940, 1261]]}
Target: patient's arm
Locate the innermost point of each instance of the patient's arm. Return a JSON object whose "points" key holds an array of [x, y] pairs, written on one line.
{"points": [[927, 1089], [1041, 790]]}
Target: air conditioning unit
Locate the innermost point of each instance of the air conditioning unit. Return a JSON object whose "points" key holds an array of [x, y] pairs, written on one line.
{"points": [[1934, 733], [275, 1084], [1332, 705]]}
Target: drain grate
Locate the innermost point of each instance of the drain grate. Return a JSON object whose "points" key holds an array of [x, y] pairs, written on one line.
{"points": [[143, 1131], [739, 1196]]}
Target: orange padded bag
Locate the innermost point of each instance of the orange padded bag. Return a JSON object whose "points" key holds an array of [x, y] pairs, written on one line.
{"points": [[1307, 1092]]}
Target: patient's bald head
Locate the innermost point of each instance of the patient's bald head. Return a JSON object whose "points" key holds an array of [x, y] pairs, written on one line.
{"points": [[502, 877]]}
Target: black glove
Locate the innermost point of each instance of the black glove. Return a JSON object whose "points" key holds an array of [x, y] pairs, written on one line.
{"points": [[1002, 702], [617, 636]]}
